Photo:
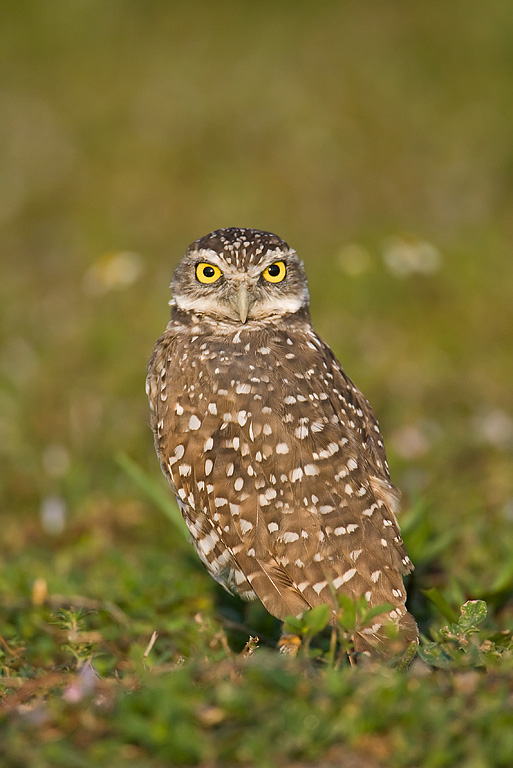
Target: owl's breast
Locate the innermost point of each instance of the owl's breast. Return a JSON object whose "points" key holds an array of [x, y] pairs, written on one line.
{"points": [[279, 380], [250, 362]]}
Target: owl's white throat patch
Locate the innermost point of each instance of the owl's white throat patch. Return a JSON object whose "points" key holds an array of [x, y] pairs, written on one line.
{"points": [[270, 306], [276, 305]]}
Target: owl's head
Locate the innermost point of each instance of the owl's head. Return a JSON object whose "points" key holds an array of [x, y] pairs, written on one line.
{"points": [[239, 275]]}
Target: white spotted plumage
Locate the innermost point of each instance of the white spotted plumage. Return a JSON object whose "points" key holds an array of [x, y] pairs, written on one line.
{"points": [[274, 454]]}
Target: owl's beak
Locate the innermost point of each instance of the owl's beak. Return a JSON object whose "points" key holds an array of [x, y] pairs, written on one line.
{"points": [[241, 302]]}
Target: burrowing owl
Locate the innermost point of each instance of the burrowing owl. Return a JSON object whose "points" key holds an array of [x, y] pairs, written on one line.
{"points": [[274, 455]]}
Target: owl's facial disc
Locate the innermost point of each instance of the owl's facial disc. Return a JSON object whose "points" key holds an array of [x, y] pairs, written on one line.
{"points": [[239, 285]]}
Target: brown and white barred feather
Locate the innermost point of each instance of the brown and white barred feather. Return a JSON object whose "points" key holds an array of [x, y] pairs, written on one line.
{"points": [[278, 466]]}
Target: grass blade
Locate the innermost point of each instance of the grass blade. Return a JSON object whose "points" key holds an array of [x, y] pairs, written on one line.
{"points": [[153, 491]]}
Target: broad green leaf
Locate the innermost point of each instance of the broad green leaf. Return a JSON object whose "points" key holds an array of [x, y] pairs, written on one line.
{"points": [[316, 619], [473, 612], [293, 625], [347, 619]]}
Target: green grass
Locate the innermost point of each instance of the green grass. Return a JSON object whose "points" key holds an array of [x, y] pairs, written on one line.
{"points": [[375, 138]]}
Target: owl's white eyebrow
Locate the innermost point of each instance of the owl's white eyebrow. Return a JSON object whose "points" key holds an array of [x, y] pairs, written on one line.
{"points": [[205, 254]]}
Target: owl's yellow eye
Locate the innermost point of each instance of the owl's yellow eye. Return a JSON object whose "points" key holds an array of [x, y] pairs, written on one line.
{"points": [[275, 273], [207, 273]]}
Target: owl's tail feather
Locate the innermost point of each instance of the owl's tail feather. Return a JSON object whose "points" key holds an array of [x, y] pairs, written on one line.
{"points": [[274, 588]]}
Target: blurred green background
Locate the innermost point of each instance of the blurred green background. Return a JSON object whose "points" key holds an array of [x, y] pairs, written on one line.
{"points": [[376, 138]]}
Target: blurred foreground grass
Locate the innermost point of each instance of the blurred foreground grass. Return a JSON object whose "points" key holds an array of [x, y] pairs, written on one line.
{"points": [[376, 139]]}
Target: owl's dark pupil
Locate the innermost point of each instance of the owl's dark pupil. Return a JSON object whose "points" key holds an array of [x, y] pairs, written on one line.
{"points": [[274, 270], [208, 271]]}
